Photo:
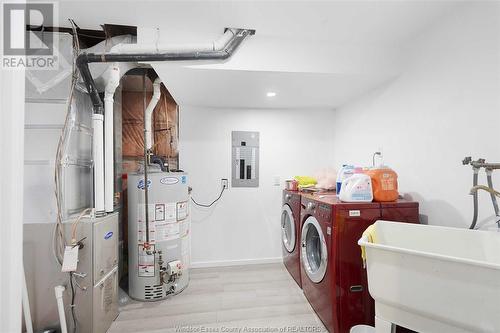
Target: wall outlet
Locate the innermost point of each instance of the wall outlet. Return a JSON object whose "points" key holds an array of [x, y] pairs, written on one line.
{"points": [[224, 183], [276, 181]]}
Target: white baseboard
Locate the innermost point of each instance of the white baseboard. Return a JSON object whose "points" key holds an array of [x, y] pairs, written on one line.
{"points": [[203, 264]]}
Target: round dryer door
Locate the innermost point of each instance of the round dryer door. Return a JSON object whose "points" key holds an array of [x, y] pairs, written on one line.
{"points": [[287, 228], [314, 252]]}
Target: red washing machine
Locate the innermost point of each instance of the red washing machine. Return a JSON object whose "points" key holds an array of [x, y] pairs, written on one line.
{"points": [[333, 278], [290, 233], [400, 211]]}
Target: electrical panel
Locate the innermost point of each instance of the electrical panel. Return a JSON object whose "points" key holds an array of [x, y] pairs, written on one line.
{"points": [[245, 159]]}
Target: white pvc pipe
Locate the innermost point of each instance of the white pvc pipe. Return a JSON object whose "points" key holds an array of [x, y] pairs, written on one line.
{"points": [[149, 112], [60, 308], [98, 157], [157, 48], [26, 307], [113, 80]]}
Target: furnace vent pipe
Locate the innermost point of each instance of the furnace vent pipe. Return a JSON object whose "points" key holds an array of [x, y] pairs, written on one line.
{"points": [[98, 156], [149, 113], [221, 49], [112, 77]]}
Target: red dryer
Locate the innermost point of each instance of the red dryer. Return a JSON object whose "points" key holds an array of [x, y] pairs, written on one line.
{"points": [[290, 233], [333, 278]]}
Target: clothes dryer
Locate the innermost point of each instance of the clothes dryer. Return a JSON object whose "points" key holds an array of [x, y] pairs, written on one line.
{"points": [[290, 233]]}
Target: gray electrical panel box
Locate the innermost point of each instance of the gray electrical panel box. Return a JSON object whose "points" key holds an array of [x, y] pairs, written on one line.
{"points": [[245, 159]]}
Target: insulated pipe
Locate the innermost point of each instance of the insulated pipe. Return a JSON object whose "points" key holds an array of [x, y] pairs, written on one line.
{"points": [[223, 53], [148, 115], [98, 157], [60, 308], [113, 80], [158, 48]]}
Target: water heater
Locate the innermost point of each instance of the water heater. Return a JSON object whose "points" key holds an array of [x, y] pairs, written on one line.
{"points": [[158, 264]]}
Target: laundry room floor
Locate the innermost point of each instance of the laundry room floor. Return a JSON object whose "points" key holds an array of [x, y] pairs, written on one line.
{"points": [[225, 299]]}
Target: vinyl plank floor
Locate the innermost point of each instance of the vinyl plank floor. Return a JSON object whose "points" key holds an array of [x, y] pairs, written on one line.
{"points": [[226, 300]]}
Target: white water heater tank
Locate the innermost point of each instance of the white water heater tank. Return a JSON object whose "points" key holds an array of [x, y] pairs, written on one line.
{"points": [[163, 268]]}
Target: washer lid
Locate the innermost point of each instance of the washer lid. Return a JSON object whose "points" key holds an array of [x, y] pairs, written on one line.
{"points": [[288, 232], [314, 251]]}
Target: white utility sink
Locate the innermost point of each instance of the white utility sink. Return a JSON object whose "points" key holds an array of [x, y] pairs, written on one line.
{"points": [[434, 279]]}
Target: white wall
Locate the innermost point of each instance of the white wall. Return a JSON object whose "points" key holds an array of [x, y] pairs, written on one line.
{"points": [[11, 197], [446, 105], [244, 225]]}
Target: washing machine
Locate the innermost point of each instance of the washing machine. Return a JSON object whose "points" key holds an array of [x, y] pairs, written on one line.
{"points": [[400, 211], [333, 278], [290, 233]]}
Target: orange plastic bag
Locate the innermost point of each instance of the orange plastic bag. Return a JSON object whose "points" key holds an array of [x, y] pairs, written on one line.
{"points": [[384, 184]]}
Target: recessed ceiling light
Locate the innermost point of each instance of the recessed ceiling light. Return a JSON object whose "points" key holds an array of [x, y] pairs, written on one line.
{"points": [[271, 94]]}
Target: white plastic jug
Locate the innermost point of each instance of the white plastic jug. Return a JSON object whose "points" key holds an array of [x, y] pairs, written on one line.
{"points": [[345, 172], [357, 188], [362, 329]]}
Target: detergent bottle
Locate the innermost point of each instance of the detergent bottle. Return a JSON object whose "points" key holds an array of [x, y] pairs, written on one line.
{"points": [[385, 183], [345, 172], [357, 188]]}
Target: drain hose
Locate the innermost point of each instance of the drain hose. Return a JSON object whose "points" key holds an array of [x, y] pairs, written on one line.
{"points": [[474, 199], [493, 196]]}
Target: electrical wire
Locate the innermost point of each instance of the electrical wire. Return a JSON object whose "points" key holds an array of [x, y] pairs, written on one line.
{"points": [[75, 224], [60, 241], [213, 202], [72, 305]]}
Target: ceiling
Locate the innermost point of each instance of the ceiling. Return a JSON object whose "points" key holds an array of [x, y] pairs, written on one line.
{"points": [[248, 89], [386, 22], [311, 53]]}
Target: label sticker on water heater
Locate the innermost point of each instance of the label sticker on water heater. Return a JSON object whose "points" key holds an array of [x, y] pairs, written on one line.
{"points": [[354, 213], [171, 212], [146, 262], [167, 231], [141, 223], [160, 212], [182, 210]]}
